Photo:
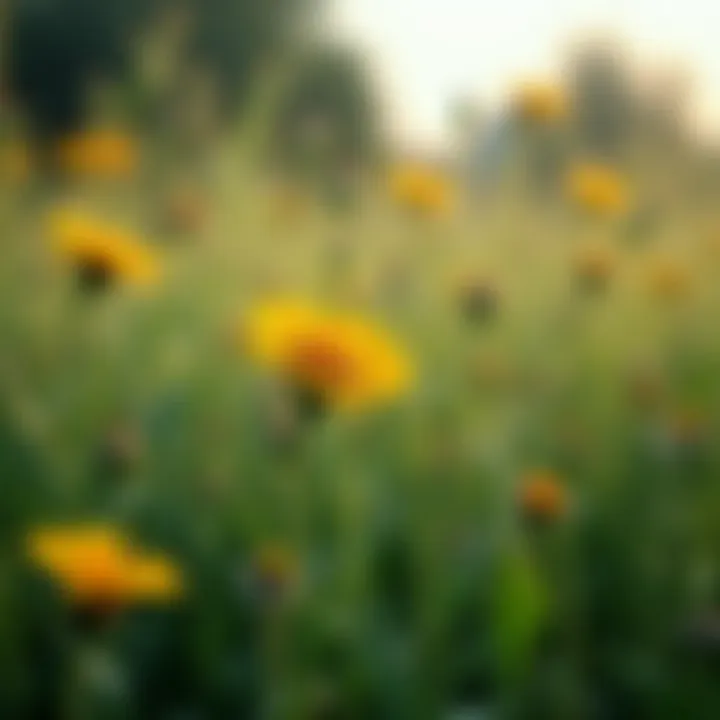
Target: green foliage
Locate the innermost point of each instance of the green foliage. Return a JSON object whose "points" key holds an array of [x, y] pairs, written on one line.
{"points": [[519, 609], [423, 591]]}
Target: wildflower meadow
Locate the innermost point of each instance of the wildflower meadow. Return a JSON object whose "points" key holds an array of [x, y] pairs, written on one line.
{"points": [[394, 439]]}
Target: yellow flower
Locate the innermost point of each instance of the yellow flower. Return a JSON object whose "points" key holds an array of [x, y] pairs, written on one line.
{"points": [[598, 189], [543, 496], [102, 254], [421, 190], [669, 280], [339, 360], [539, 102], [153, 578], [96, 567], [99, 153]]}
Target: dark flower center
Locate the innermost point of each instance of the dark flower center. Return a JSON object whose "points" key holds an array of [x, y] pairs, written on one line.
{"points": [[310, 403], [94, 275], [479, 303], [321, 364], [93, 617]]}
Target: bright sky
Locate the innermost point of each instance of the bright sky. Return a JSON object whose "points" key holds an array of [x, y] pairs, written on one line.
{"points": [[429, 52]]}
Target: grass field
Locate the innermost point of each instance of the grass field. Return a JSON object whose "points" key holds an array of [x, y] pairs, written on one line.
{"points": [[383, 564]]}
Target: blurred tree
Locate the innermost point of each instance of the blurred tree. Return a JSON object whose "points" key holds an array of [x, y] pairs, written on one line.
{"points": [[663, 99], [602, 97], [327, 117], [59, 47], [234, 38]]}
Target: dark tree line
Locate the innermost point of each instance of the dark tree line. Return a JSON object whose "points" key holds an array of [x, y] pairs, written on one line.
{"points": [[58, 47]]}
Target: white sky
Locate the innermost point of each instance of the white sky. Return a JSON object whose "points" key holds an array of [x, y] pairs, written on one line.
{"points": [[429, 52]]}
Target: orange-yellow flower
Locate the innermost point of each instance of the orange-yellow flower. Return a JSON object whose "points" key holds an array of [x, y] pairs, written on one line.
{"points": [[422, 190], [95, 566], [338, 359], [597, 188], [152, 578], [543, 496], [99, 153], [102, 254], [669, 279], [539, 102]]}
